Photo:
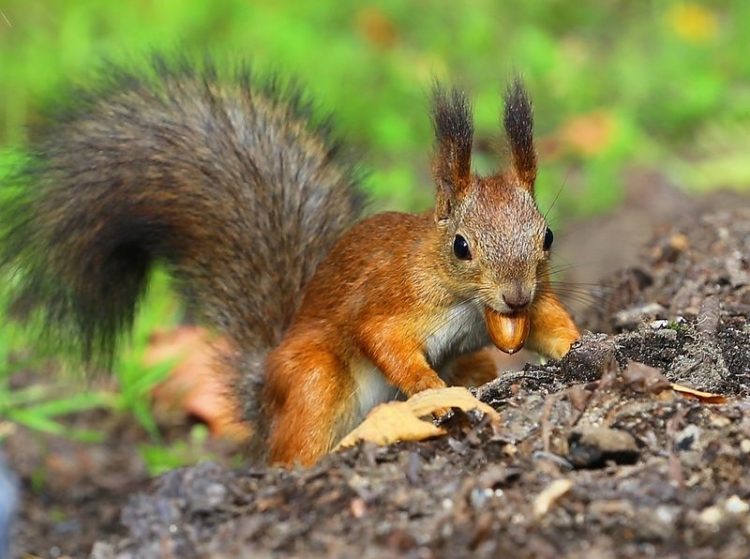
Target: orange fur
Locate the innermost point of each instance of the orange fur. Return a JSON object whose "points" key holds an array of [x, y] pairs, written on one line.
{"points": [[552, 329], [473, 369]]}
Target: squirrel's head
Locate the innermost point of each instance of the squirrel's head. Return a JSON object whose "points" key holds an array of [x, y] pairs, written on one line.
{"points": [[493, 239]]}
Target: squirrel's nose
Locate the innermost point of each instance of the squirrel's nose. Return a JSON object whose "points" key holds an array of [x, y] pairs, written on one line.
{"points": [[517, 300]]}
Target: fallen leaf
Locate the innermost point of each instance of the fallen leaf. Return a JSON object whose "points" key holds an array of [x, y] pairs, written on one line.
{"points": [[426, 402], [376, 27], [589, 134], [401, 421], [642, 378], [391, 422], [550, 495], [705, 397], [195, 387], [679, 242], [477, 368]]}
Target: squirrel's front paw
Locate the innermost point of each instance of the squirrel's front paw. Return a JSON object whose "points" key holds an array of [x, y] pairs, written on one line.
{"points": [[553, 345], [441, 414], [427, 382], [559, 346]]}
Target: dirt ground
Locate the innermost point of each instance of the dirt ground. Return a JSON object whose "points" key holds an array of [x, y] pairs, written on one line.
{"points": [[596, 456]]}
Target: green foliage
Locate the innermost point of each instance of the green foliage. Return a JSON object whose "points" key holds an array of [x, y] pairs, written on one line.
{"points": [[660, 70], [718, 158], [137, 377], [160, 458], [38, 407]]}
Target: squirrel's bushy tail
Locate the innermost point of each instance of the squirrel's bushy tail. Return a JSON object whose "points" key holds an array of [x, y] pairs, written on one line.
{"points": [[228, 182]]}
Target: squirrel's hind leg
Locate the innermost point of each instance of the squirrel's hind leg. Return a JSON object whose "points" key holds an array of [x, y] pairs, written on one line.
{"points": [[470, 370], [308, 393]]}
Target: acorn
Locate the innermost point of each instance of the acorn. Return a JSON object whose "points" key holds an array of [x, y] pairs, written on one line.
{"points": [[507, 331]]}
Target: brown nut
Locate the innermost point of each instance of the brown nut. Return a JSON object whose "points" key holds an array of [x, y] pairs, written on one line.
{"points": [[507, 331]]}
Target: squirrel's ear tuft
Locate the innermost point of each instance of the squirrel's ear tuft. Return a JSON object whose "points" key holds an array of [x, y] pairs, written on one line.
{"points": [[519, 127], [454, 133]]}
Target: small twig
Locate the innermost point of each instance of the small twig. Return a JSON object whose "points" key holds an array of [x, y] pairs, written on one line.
{"points": [[589, 397]]}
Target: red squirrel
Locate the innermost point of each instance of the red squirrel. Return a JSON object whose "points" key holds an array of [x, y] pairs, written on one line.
{"points": [[254, 208]]}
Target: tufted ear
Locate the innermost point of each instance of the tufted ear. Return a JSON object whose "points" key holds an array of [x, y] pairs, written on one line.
{"points": [[454, 133], [519, 128]]}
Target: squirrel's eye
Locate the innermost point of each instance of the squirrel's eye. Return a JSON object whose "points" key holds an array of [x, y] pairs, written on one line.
{"points": [[461, 248], [548, 238]]}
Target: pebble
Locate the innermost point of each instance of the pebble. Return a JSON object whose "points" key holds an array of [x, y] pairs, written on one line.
{"points": [[593, 447], [735, 505]]}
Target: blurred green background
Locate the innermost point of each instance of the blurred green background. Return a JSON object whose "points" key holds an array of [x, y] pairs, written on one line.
{"points": [[616, 84], [663, 84]]}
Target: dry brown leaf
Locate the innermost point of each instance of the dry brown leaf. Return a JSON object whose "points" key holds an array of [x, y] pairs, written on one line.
{"points": [[550, 495], [195, 387], [642, 378], [400, 421], [477, 368], [391, 422], [426, 402], [705, 397], [589, 134], [376, 27]]}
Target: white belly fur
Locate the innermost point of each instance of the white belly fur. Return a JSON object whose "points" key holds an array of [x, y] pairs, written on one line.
{"points": [[372, 388], [462, 331]]}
